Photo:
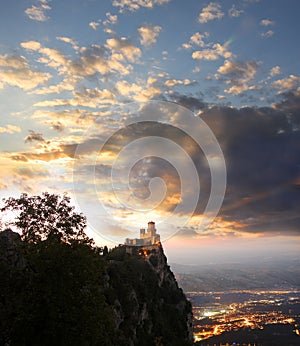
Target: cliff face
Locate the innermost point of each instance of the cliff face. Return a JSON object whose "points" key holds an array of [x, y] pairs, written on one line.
{"points": [[53, 293], [150, 309], [9, 250]]}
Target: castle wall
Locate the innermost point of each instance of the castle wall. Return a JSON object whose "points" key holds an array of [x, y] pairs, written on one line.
{"points": [[147, 238]]}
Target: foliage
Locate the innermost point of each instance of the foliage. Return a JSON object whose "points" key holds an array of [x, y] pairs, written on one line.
{"points": [[58, 289], [135, 283], [46, 216], [60, 301]]}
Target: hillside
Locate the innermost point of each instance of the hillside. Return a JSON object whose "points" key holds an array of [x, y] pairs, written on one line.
{"points": [[55, 293], [270, 274]]}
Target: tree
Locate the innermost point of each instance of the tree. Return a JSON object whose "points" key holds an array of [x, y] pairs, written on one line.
{"points": [[47, 216], [105, 251]]}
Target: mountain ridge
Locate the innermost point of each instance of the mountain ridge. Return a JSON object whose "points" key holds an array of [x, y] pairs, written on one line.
{"points": [[73, 294]]}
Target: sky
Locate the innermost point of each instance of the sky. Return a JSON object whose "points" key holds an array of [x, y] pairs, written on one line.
{"points": [[186, 113]]}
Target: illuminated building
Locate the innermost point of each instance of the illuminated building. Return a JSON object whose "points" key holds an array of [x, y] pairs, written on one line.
{"points": [[147, 237]]}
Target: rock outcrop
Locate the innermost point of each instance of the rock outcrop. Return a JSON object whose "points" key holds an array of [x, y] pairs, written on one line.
{"points": [[54, 293], [153, 310], [10, 250]]}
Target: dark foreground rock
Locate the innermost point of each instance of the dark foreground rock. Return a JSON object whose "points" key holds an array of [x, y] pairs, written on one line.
{"points": [[54, 293]]}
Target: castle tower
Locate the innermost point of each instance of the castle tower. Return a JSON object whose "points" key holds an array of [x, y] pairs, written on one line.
{"points": [[142, 233], [151, 229], [147, 237]]}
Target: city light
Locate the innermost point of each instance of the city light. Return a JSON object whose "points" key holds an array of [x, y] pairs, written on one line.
{"points": [[252, 309]]}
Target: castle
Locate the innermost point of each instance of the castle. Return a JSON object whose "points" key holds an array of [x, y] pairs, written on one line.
{"points": [[149, 237]]}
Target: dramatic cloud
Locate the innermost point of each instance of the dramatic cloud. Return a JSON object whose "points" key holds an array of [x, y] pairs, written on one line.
{"points": [[51, 57], [31, 45], [134, 5], [266, 22], [210, 12], [137, 92], [149, 34], [73, 43], [234, 12], [275, 71], [190, 102], [215, 52], [261, 148], [10, 129], [267, 34], [38, 12], [112, 58], [262, 152], [125, 47], [238, 75], [111, 19], [75, 87], [287, 83], [94, 25], [15, 71], [173, 82], [196, 39], [57, 126], [34, 137], [46, 156]]}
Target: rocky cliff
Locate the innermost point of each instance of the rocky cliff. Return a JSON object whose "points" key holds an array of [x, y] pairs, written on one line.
{"points": [[53, 293], [153, 310]]}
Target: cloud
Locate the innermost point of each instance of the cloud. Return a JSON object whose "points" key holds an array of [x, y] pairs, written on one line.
{"points": [[3, 186], [95, 60], [190, 102], [65, 39], [46, 156], [266, 22], [87, 98], [134, 5], [57, 126], [69, 117], [262, 150], [138, 92], [29, 172], [111, 19], [15, 71], [196, 39], [67, 84], [10, 129], [288, 83], [234, 12], [149, 34], [172, 82], [210, 12], [34, 137], [215, 52], [94, 25], [113, 58], [267, 34], [31, 45], [238, 75], [210, 51], [275, 71], [38, 12], [125, 47], [50, 57]]}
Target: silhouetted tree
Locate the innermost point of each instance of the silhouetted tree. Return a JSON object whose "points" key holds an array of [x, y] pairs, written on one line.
{"points": [[105, 251], [47, 216]]}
